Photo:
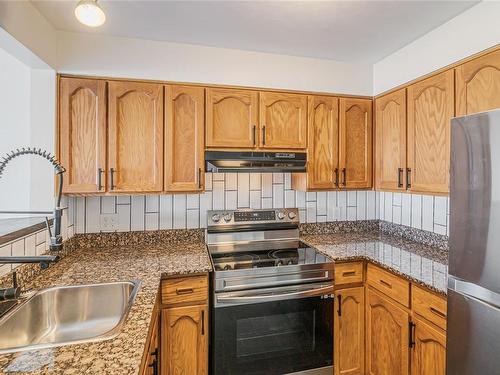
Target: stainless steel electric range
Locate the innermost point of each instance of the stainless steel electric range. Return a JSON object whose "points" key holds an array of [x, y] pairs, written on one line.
{"points": [[272, 296]]}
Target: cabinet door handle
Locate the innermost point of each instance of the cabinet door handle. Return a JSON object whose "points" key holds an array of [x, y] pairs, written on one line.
{"points": [[336, 177], [202, 322], [264, 135], [438, 313], [199, 178], [400, 177], [411, 334], [99, 178], [111, 178], [154, 366], [254, 135], [344, 178], [385, 283], [339, 310], [408, 178], [348, 273], [184, 291]]}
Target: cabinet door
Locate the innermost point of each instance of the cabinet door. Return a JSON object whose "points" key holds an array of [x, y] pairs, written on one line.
{"points": [[356, 143], [283, 120], [82, 134], [152, 365], [386, 336], [322, 148], [231, 118], [429, 351], [390, 138], [430, 109], [135, 143], [478, 84], [184, 138], [349, 331], [185, 340]]}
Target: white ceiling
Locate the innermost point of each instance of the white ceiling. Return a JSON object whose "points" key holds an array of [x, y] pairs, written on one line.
{"points": [[351, 31]]}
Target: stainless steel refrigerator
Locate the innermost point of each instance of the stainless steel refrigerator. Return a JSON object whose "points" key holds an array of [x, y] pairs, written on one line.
{"points": [[473, 334]]}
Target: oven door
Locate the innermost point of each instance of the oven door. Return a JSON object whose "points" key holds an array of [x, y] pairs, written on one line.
{"points": [[273, 331]]}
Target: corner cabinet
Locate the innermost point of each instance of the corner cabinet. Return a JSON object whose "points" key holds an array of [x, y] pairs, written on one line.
{"points": [[478, 84], [355, 143], [430, 109], [184, 138], [135, 144], [390, 141], [82, 134]]}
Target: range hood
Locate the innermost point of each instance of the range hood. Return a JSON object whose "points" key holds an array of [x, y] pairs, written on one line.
{"points": [[248, 162]]}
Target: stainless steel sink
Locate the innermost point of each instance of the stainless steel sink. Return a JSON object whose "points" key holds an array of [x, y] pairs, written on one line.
{"points": [[67, 315]]}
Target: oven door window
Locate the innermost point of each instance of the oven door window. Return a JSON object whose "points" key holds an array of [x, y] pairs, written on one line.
{"points": [[273, 337]]}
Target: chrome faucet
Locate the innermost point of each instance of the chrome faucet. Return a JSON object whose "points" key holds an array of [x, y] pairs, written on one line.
{"points": [[55, 237]]}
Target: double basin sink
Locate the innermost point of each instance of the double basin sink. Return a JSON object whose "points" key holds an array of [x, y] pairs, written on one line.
{"points": [[67, 315]]}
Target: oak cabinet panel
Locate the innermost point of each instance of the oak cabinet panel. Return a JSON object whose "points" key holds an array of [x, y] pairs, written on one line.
{"points": [[430, 109], [82, 134], [184, 138], [349, 326], [283, 120], [387, 336], [390, 138], [185, 340], [231, 118], [135, 146], [478, 84], [356, 142], [429, 350]]}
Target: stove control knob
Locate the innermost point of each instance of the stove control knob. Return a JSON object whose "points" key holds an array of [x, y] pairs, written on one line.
{"points": [[215, 218], [281, 215], [292, 215], [227, 217]]}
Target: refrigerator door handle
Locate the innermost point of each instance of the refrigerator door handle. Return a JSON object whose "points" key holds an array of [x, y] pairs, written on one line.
{"points": [[474, 291]]}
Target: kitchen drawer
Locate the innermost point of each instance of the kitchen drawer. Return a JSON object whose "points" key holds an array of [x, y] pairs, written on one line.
{"points": [[348, 273], [429, 305], [391, 285], [187, 289]]}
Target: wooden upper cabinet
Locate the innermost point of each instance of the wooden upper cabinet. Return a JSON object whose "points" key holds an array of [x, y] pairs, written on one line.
{"points": [[283, 120], [231, 118], [387, 332], [355, 143], [390, 138], [185, 340], [135, 146], [430, 109], [82, 134], [349, 326], [429, 350], [478, 84], [184, 138]]}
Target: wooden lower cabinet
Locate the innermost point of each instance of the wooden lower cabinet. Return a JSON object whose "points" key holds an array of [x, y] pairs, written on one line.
{"points": [[349, 323], [428, 356], [387, 330]]}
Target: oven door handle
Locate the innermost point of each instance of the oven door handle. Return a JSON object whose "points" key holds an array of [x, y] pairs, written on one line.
{"points": [[275, 295]]}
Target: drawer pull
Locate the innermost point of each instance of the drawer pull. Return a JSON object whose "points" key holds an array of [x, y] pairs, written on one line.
{"points": [[438, 313], [349, 273], [184, 291], [385, 283]]}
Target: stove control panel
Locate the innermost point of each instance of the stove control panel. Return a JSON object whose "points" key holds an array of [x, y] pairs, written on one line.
{"points": [[238, 217]]}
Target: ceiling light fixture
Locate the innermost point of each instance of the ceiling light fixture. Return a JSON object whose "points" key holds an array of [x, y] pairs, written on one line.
{"points": [[90, 13]]}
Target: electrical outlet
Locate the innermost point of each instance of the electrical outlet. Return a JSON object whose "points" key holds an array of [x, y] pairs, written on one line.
{"points": [[109, 222]]}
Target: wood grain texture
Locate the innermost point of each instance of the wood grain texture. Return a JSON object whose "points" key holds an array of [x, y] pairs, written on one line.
{"points": [[185, 290], [390, 141], [349, 346], [356, 142], [185, 340], [391, 285], [386, 336], [430, 109], [478, 84], [428, 356], [349, 273], [82, 134], [283, 120], [231, 116], [135, 146], [184, 139], [429, 306]]}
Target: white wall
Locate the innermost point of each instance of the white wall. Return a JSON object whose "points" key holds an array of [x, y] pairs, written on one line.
{"points": [[470, 32], [79, 53]]}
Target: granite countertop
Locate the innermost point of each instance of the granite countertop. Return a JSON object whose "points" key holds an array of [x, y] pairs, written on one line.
{"points": [[121, 355], [422, 264]]}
